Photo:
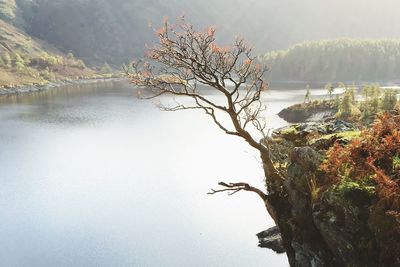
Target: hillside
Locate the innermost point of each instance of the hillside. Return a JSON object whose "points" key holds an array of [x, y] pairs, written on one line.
{"points": [[337, 60], [25, 60], [115, 31]]}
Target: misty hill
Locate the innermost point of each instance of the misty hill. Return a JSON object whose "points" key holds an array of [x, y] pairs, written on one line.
{"points": [[112, 31], [97, 31], [25, 60], [115, 31], [337, 60]]}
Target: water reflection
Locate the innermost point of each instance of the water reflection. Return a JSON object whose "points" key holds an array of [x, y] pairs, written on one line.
{"points": [[70, 91]]}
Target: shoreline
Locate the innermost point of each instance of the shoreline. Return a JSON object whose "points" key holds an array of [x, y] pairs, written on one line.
{"points": [[26, 89], [293, 84]]}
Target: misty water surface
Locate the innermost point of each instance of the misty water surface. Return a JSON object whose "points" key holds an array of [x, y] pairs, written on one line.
{"points": [[91, 176]]}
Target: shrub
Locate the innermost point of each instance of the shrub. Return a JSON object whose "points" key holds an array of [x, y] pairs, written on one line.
{"points": [[347, 107], [5, 56], [7, 10], [19, 66], [375, 154], [105, 69], [70, 56], [371, 164], [18, 61], [2, 63], [48, 75], [80, 64], [389, 100]]}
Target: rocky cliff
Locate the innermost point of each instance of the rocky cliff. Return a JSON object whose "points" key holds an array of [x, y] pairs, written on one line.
{"points": [[338, 212]]}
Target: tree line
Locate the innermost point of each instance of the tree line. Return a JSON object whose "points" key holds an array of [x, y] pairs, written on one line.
{"points": [[336, 60]]}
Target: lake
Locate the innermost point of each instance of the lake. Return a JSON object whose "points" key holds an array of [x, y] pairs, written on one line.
{"points": [[92, 176]]}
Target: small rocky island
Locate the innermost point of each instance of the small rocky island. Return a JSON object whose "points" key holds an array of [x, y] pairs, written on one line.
{"points": [[308, 112]]}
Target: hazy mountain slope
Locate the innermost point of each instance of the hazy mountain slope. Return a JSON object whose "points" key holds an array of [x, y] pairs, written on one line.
{"points": [[25, 60], [96, 30], [114, 31]]}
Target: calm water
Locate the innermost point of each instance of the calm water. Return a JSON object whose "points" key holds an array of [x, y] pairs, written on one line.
{"points": [[91, 176]]}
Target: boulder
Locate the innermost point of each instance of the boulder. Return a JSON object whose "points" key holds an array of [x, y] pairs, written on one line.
{"points": [[272, 239]]}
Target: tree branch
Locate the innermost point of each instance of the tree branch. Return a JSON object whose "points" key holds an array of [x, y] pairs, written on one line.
{"points": [[233, 188], [236, 187]]}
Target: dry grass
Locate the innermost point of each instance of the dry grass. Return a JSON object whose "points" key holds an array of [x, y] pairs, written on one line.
{"points": [[13, 40], [10, 78]]}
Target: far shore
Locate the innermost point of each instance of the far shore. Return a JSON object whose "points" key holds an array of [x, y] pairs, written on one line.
{"points": [[25, 89], [321, 84]]}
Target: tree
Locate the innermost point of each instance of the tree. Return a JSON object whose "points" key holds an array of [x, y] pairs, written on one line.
{"points": [[185, 59], [342, 85], [389, 99], [373, 104], [351, 91], [330, 89], [307, 95], [366, 91], [345, 107]]}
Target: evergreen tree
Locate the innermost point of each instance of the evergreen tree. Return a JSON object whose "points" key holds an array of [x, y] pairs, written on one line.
{"points": [[307, 96], [389, 100], [337, 101], [330, 89], [352, 93], [345, 107], [375, 99]]}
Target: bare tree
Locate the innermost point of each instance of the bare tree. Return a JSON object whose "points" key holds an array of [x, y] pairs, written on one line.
{"points": [[185, 58]]}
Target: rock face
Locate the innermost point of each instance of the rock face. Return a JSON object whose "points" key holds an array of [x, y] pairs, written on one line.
{"points": [[331, 128], [308, 243], [334, 228], [301, 113], [343, 222]]}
